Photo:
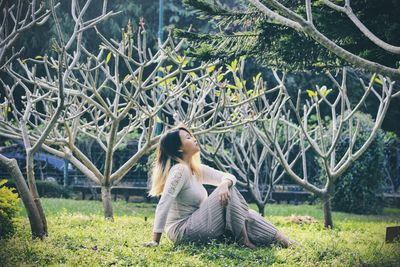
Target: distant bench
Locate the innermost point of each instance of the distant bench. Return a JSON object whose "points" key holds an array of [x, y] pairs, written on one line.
{"points": [[294, 197], [293, 193], [126, 191], [392, 199]]}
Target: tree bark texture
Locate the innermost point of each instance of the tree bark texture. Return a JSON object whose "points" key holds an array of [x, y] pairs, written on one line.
{"points": [[35, 220], [107, 204]]}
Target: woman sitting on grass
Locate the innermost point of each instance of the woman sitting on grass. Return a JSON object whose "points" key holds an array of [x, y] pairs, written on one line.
{"points": [[187, 213]]}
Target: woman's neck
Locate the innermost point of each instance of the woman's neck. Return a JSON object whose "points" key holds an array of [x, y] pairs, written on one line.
{"points": [[187, 160]]}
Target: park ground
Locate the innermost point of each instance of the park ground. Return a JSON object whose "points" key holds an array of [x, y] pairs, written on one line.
{"points": [[79, 236]]}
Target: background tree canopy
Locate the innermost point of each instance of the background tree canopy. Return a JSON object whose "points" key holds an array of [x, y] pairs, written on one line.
{"points": [[247, 31]]}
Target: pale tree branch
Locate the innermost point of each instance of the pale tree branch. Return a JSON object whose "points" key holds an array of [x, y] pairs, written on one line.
{"points": [[293, 20], [346, 9]]}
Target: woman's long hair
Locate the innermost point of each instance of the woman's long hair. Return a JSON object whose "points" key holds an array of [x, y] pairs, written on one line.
{"points": [[167, 155]]}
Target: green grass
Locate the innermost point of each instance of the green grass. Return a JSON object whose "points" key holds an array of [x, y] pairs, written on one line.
{"points": [[78, 235]]}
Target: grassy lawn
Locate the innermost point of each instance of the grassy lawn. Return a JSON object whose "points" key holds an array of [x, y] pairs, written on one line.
{"points": [[78, 235]]}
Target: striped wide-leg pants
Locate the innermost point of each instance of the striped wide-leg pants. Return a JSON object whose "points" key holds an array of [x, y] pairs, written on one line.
{"points": [[212, 221]]}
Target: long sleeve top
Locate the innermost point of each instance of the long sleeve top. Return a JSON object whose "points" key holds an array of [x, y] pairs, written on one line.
{"points": [[183, 194]]}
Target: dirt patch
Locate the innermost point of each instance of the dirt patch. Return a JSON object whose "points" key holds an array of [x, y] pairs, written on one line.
{"points": [[300, 219]]}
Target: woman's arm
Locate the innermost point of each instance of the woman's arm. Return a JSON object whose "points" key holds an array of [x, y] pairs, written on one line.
{"points": [[215, 177], [157, 237], [221, 179], [173, 185]]}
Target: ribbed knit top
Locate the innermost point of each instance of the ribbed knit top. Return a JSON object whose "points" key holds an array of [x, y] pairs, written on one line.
{"points": [[183, 194]]}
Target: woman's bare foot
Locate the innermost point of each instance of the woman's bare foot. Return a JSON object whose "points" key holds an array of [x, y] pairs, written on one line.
{"points": [[250, 245], [292, 243], [283, 240]]}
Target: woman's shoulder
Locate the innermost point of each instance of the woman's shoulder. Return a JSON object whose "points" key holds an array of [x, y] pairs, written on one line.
{"points": [[204, 167], [181, 168]]}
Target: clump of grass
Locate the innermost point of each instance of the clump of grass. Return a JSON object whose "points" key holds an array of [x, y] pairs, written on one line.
{"points": [[78, 235]]}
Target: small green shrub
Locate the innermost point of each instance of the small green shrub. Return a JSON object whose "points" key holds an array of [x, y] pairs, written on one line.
{"points": [[8, 209], [360, 188]]}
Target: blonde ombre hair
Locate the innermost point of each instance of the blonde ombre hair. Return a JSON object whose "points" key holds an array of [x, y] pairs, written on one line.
{"points": [[167, 155]]}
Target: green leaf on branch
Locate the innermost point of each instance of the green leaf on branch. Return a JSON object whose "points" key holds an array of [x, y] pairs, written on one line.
{"points": [[378, 81], [193, 75], [257, 77], [312, 93], [126, 78], [166, 81], [170, 80], [165, 69], [324, 91], [182, 60], [233, 66], [239, 83], [231, 86], [235, 98], [108, 56]]}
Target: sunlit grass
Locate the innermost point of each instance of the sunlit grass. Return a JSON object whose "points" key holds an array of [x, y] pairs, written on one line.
{"points": [[78, 235]]}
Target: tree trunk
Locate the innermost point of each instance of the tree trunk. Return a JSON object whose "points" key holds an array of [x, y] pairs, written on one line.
{"points": [[11, 166], [33, 189], [397, 181], [328, 223], [261, 208], [107, 204]]}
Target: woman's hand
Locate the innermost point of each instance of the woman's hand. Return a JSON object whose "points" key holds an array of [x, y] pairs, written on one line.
{"points": [[152, 243], [155, 242], [224, 194]]}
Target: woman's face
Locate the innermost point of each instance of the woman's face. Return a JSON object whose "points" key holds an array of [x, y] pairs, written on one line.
{"points": [[189, 143]]}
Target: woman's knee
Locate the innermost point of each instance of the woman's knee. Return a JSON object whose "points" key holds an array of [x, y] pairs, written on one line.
{"points": [[236, 194], [234, 190]]}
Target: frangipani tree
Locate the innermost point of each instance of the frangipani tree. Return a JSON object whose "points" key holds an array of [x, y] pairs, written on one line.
{"points": [[323, 137], [17, 18], [42, 108]]}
